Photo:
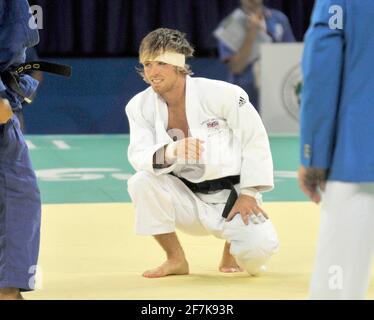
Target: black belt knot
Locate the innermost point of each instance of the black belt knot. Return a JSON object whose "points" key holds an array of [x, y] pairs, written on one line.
{"points": [[210, 186]]}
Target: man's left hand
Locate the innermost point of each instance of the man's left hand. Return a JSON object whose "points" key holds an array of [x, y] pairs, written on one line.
{"points": [[311, 181], [247, 206]]}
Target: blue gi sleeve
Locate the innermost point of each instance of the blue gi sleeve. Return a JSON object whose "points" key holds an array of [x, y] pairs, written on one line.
{"points": [[15, 36], [322, 66]]}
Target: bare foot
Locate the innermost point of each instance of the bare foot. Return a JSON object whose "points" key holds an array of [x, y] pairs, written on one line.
{"points": [[228, 263], [169, 267], [10, 294]]}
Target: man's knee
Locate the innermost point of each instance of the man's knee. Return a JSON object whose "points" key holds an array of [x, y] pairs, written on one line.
{"points": [[140, 182], [254, 257], [251, 245], [154, 212]]}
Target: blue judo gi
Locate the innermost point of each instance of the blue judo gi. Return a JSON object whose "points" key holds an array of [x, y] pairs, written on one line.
{"points": [[337, 111], [336, 134], [20, 205]]}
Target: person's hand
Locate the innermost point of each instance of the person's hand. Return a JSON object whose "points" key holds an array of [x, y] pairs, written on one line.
{"points": [[254, 23], [311, 181], [188, 150], [248, 208], [5, 111]]}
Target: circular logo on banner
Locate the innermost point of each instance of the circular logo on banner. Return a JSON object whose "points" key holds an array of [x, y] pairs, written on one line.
{"points": [[291, 93]]}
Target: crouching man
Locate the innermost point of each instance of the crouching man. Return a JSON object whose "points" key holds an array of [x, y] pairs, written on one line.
{"points": [[202, 158]]}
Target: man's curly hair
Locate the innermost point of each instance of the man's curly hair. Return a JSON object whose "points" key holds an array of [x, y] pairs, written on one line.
{"points": [[162, 40]]}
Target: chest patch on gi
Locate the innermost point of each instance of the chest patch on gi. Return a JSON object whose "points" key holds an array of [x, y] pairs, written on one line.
{"points": [[214, 126]]}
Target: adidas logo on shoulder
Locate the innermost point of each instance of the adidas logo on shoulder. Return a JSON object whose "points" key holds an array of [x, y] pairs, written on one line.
{"points": [[242, 102]]}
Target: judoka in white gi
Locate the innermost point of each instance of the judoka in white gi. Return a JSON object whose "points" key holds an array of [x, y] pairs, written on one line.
{"points": [[200, 130]]}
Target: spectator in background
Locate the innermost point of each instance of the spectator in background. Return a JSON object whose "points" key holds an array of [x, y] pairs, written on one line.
{"points": [[251, 25]]}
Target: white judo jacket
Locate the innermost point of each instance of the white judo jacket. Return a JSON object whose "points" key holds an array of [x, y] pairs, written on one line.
{"points": [[219, 113]]}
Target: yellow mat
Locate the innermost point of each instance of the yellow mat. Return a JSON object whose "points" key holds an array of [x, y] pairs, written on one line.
{"points": [[90, 252]]}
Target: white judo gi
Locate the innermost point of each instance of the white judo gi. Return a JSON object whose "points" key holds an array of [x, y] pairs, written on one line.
{"points": [[236, 143]]}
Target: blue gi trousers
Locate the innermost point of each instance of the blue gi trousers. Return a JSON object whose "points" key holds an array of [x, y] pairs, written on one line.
{"points": [[20, 207], [20, 210]]}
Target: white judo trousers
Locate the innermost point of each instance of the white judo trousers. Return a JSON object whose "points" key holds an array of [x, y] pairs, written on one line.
{"points": [[163, 203], [346, 242]]}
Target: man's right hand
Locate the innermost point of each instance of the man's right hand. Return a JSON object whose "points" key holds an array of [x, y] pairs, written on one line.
{"points": [[187, 151], [254, 23], [5, 111]]}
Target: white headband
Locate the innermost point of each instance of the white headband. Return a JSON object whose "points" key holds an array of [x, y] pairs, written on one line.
{"points": [[174, 58]]}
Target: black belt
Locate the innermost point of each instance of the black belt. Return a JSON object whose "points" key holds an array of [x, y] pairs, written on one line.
{"points": [[210, 186], [11, 76]]}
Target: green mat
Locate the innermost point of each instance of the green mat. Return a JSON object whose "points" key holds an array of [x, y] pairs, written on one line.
{"points": [[94, 168]]}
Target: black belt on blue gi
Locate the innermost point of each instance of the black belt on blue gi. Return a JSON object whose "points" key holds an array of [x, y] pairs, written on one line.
{"points": [[11, 76], [210, 186]]}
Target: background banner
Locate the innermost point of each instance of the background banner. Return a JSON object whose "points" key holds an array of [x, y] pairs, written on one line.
{"points": [[281, 84]]}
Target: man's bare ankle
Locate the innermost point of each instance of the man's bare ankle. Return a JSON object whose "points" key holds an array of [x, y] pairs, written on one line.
{"points": [[176, 258], [9, 290], [10, 293]]}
